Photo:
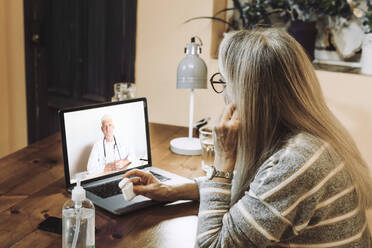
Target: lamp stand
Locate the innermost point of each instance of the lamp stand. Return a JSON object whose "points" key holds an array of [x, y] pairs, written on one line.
{"points": [[187, 145]]}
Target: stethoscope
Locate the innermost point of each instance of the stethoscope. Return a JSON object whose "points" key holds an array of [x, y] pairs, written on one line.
{"points": [[115, 145]]}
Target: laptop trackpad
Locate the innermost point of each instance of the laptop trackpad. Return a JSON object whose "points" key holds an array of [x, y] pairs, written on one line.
{"points": [[118, 201], [137, 198]]}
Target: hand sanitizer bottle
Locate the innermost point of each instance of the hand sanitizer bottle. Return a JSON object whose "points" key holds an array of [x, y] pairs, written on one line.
{"points": [[78, 219]]}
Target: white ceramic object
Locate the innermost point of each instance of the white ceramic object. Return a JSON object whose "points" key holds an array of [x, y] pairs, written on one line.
{"points": [[366, 59], [348, 39]]}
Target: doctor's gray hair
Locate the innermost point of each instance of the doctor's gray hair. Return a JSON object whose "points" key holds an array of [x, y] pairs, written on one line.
{"points": [[106, 117]]}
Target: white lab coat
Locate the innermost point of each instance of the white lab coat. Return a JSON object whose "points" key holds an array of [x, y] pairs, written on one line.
{"points": [[114, 152]]}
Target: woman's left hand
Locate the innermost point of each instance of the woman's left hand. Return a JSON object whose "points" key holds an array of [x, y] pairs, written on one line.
{"points": [[225, 136]]}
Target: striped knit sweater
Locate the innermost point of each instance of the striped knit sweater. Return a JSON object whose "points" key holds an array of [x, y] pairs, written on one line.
{"points": [[300, 197]]}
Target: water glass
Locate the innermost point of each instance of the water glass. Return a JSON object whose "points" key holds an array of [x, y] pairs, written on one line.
{"points": [[206, 141], [123, 91]]}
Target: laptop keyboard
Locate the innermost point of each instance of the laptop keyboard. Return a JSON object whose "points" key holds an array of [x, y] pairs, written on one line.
{"points": [[159, 177], [111, 188]]}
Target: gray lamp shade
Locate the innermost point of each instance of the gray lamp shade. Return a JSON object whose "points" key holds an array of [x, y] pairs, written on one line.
{"points": [[192, 70]]}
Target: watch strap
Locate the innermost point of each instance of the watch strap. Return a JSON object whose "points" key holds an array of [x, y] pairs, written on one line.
{"points": [[223, 174], [213, 172]]}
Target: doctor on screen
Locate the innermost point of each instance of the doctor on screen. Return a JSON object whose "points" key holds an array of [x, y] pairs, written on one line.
{"points": [[108, 154]]}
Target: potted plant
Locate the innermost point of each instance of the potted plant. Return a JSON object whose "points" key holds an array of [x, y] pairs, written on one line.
{"points": [[302, 16], [246, 15], [305, 13], [250, 14], [366, 60]]}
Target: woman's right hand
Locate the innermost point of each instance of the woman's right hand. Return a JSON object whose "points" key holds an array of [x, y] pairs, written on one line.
{"points": [[144, 183], [225, 137]]}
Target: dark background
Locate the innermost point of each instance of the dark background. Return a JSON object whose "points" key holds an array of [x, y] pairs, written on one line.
{"points": [[75, 51]]}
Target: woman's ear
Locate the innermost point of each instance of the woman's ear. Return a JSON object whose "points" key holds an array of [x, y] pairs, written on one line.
{"points": [[228, 96]]}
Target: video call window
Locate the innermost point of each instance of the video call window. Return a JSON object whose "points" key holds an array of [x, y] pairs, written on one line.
{"points": [[106, 140]]}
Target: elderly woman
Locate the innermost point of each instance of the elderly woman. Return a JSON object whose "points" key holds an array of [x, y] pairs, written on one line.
{"points": [[298, 178]]}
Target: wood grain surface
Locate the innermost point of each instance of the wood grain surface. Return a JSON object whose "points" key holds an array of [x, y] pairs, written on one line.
{"points": [[32, 187]]}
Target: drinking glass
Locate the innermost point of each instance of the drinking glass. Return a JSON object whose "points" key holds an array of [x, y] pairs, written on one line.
{"points": [[123, 91], [206, 141]]}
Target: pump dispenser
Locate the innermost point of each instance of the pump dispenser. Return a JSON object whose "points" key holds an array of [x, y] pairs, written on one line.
{"points": [[78, 194], [78, 218]]}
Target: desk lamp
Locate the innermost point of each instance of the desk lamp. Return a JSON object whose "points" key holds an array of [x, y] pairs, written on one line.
{"points": [[191, 74]]}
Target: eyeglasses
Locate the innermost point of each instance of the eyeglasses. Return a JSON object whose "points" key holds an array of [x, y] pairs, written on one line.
{"points": [[218, 84]]}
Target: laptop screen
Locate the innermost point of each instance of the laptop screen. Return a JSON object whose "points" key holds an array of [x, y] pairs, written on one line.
{"points": [[105, 139]]}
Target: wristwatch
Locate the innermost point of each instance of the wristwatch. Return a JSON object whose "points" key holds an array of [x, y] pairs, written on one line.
{"points": [[213, 172]]}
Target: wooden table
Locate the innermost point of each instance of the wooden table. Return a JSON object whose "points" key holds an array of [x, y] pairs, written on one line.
{"points": [[32, 187]]}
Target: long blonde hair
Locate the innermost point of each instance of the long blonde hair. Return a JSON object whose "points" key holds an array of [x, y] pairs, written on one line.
{"points": [[277, 94]]}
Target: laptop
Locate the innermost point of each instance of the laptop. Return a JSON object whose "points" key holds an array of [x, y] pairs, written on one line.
{"points": [[85, 150]]}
